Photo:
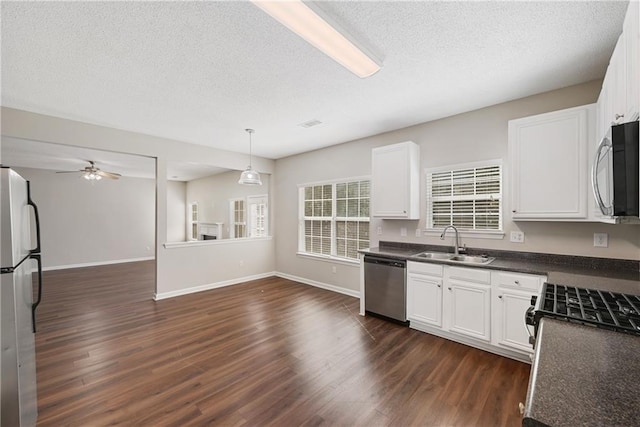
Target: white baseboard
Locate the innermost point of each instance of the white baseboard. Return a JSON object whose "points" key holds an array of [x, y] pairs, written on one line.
{"points": [[452, 336], [344, 291], [93, 264], [209, 286], [239, 280]]}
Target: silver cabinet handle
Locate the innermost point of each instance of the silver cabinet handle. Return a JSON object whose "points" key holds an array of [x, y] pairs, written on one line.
{"points": [[500, 296], [606, 210], [439, 286], [517, 282], [449, 288], [514, 211]]}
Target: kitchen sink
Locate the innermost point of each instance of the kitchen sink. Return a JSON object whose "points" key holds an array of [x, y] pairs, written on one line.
{"points": [[435, 255], [463, 259]]}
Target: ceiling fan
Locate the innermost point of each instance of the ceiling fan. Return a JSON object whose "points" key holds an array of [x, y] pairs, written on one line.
{"points": [[93, 173]]}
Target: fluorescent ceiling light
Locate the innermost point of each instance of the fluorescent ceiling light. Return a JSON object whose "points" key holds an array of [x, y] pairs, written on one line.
{"points": [[299, 18]]}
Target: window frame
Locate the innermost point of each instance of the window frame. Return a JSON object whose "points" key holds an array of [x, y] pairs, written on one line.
{"points": [[191, 223], [333, 219], [261, 199], [232, 220], [475, 233]]}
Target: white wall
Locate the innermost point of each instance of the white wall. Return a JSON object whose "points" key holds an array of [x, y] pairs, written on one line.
{"points": [[473, 136], [87, 222], [176, 211], [174, 271], [214, 192]]}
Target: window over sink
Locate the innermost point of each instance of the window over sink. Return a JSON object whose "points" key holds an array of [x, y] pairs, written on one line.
{"points": [[334, 218], [467, 196]]}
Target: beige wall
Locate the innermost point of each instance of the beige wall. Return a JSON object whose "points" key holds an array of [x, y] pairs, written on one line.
{"points": [[473, 136], [87, 222], [176, 211], [213, 194], [177, 269]]}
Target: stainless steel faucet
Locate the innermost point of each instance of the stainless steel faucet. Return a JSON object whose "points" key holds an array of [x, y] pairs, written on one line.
{"points": [[456, 244]]}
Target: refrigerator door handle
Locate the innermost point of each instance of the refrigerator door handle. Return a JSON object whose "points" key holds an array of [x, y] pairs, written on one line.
{"points": [[34, 305], [37, 218]]}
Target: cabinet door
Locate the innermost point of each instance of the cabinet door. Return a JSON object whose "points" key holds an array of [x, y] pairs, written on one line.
{"points": [[548, 165], [395, 181], [618, 68], [424, 299], [509, 327], [469, 307], [631, 34]]}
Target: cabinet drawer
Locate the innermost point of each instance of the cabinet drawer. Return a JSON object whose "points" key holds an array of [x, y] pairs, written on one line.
{"points": [[424, 268], [518, 280], [470, 274]]}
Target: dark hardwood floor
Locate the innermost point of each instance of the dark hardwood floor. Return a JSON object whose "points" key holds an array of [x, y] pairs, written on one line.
{"points": [[267, 352]]}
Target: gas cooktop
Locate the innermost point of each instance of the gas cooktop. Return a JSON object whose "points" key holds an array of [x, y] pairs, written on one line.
{"points": [[603, 309]]}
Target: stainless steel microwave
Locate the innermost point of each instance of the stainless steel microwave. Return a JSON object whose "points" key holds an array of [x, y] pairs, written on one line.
{"points": [[615, 174]]}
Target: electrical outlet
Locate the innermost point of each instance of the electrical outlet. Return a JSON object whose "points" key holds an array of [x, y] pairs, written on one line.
{"points": [[379, 231], [601, 240], [517, 237], [241, 263], [403, 231], [334, 270], [418, 232]]}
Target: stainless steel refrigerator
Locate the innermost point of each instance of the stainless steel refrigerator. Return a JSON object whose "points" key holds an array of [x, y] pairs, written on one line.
{"points": [[21, 264]]}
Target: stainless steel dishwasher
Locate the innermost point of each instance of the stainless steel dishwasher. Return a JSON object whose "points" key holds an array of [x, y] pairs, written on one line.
{"points": [[385, 288]]}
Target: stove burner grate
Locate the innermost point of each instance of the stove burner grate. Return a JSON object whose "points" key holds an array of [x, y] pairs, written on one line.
{"points": [[611, 310]]}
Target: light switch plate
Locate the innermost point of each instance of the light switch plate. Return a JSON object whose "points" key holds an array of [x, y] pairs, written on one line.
{"points": [[379, 231], [601, 240], [403, 231], [418, 232], [517, 237]]}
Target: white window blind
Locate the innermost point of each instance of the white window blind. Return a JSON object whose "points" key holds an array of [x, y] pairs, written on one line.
{"points": [[469, 198], [335, 218]]}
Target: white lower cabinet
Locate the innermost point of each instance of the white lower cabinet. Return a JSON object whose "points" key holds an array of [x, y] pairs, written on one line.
{"points": [[475, 306], [424, 293], [468, 302], [509, 328], [512, 294]]}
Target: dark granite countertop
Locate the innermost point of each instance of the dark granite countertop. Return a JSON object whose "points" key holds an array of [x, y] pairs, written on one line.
{"points": [[585, 272], [583, 376]]}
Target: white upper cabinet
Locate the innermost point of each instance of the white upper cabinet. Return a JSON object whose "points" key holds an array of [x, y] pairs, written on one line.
{"points": [[631, 36], [619, 100], [548, 163], [395, 185]]}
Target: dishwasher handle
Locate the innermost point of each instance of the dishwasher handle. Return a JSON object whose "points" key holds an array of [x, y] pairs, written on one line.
{"points": [[385, 261]]}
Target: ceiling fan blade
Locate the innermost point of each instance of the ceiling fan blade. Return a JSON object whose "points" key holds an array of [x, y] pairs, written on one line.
{"points": [[111, 175], [81, 170]]}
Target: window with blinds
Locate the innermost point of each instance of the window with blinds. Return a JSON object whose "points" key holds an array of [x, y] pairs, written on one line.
{"points": [[335, 218], [469, 198]]}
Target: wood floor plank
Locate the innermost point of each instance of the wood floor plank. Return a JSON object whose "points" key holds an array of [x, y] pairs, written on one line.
{"points": [[267, 352]]}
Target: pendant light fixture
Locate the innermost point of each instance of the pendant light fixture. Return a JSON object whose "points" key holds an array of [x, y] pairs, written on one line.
{"points": [[250, 176]]}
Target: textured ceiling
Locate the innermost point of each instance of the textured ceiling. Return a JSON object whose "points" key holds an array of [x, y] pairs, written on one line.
{"points": [[23, 153], [202, 72]]}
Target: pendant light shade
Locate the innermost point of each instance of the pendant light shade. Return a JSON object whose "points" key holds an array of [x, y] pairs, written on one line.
{"points": [[250, 176]]}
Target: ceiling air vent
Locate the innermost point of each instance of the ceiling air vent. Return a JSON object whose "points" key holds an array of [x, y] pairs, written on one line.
{"points": [[310, 123]]}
